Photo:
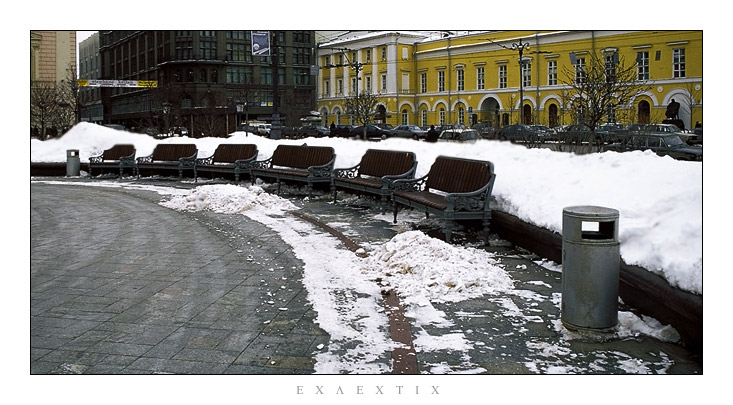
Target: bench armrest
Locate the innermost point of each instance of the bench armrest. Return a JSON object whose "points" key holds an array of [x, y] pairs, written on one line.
{"points": [[347, 172], [323, 170], [245, 163], [145, 159], [410, 184], [262, 164], [127, 160], [472, 201], [205, 161], [189, 161]]}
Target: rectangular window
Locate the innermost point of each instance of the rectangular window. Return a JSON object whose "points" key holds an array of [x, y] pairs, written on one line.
{"points": [[502, 77], [441, 116], [459, 80], [441, 81], [580, 71], [384, 53], [235, 35], [480, 78], [265, 75], [611, 62], [678, 68], [207, 50], [424, 118], [235, 52], [526, 73], [552, 73], [326, 88], [301, 56], [184, 49], [368, 84], [368, 55], [301, 76], [384, 83], [340, 87], [354, 87], [642, 65], [423, 82]]}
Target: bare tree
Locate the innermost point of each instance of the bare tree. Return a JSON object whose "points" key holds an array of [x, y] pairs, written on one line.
{"points": [[44, 107], [69, 97], [209, 121], [597, 85], [361, 108]]}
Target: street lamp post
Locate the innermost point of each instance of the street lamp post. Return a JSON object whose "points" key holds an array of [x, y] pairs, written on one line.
{"points": [[521, 46]]}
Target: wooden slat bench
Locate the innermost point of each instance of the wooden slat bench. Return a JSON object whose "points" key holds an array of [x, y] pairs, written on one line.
{"points": [[299, 163], [168, 157], [454, 189], [117, 157], [228, 158], [376, 172]]}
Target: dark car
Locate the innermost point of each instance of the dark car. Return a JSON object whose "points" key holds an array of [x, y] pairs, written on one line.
{"points": [[372, 131], [518, 133], [485, 130], [316, 131], [408, 131], [576, 134], [663, 145], [459, 135], [544, 133], [343, 130], [610, 133]]}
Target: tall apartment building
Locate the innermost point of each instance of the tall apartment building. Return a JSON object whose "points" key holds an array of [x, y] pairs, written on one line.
{"points": [[465, 78], [52, 53], [90, 67], [207, 81]]}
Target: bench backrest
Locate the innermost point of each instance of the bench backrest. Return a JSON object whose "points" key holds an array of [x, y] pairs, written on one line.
{"points": [[457, 175], [231, 152], [380, 163], [173, 151], [302, 156], [118, 151]]}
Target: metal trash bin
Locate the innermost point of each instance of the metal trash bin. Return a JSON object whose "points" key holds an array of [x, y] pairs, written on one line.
{"points": [[73, 164], [590, 268]]}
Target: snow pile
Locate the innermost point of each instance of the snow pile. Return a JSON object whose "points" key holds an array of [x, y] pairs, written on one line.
{"points": [[230, 199], [423, 269], [659, 199]]}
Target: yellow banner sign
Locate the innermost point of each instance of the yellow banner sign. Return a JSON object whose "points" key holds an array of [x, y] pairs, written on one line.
{"points": [[116, 83]]}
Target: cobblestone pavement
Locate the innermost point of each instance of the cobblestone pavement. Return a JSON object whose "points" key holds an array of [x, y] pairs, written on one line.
{"points": [[120, 284]]}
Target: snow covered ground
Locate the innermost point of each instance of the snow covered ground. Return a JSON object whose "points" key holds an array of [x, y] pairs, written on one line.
{"points": [[659, 199]]}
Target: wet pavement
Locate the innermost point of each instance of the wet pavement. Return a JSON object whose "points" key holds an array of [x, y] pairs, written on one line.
{"points": [[123, 285]]}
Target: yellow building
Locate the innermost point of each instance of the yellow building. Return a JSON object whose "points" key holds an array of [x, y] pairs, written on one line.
{"points": [[473, 77]]}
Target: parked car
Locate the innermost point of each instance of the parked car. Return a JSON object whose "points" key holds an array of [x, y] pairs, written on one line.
{"points": [[409, 131], [264, 129], [610, 132], [485, 130], [663, 145], [459, 135], [576, 134], [696, 137], [518, 133], [342, 130], [544, 133], [178, 131], [372, 131], [316, 131]]}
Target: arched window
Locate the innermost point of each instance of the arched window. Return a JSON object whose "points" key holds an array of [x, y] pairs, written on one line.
{"points": [[404, 117], [552, 118], [441, 115], [424, 116], [461, 116], [644, 112]]}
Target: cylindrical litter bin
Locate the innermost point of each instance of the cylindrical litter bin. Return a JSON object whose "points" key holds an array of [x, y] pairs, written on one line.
{"points": [[72, 162], [590, 268]]}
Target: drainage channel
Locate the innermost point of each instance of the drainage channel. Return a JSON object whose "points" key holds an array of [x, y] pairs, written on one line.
{"points": [[404, 358]]}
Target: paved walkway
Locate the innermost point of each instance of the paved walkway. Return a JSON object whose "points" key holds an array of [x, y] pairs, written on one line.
{"points": [[120, 284]]}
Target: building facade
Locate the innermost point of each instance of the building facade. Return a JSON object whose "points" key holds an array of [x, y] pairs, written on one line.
{"points": [[207, 81], [90, 67], [436, 78], [52, 70]]}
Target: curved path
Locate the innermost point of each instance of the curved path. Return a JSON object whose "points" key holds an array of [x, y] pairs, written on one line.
{"points": [[124, 285]]}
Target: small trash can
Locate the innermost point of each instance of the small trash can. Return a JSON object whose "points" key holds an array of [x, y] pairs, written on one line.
{"points": [[590, 268], [72, 162]]}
